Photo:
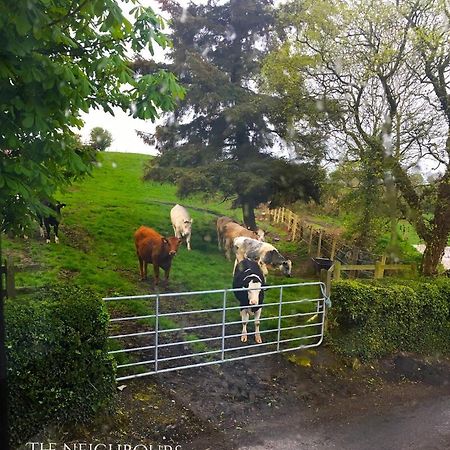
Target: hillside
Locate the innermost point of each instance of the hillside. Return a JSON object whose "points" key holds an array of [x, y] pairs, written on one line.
{"points": [[96, 235]]}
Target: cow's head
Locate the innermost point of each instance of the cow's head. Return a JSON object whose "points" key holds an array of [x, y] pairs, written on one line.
{"points": [[59, 206], [172, 245], [286, 267], [275, 259], [186, 227], [253, 294], [260, 235]]}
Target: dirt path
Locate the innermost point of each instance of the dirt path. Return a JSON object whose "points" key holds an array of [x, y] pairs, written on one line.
{"points": [[309, 401]]}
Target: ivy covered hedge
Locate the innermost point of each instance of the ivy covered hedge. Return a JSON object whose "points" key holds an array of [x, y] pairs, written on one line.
{"points": [[58, 367], [375, 318]]}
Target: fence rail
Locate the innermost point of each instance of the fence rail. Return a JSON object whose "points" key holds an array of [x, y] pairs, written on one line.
{"points": [[336, 270], [10, 269], [295, 323]]}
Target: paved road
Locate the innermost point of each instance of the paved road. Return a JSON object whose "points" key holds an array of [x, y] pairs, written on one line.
{"points": [[421, 426]]}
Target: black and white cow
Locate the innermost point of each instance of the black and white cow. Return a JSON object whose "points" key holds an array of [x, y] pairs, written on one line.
{"points": [[51, 219], [248, 274], [262, 252]]}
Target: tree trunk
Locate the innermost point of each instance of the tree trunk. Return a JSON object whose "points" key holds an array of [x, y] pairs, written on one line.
{"points": [[441, 229], [432, 256], [248, 213]]}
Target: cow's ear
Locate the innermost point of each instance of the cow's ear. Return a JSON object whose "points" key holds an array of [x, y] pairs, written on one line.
{"points": [[192, 221], [165, 240]]}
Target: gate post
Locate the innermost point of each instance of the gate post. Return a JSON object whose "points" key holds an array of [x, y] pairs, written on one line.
{"points": [[156, 332], [279, 319], [224, 313]]}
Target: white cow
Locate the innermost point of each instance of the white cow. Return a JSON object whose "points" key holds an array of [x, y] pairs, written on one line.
{"points": [[182, 223]]}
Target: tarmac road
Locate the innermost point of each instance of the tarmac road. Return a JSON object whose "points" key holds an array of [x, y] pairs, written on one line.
{"points": [[423, 425]]}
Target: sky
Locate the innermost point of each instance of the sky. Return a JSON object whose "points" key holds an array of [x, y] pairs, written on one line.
{"points": [[122, 126]]}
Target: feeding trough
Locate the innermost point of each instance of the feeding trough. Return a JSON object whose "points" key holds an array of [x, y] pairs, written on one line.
{"points": [[322, 263]]}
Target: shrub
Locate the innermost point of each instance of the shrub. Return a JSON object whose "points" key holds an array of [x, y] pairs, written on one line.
{"points": [[375, 318], [58, 367]]}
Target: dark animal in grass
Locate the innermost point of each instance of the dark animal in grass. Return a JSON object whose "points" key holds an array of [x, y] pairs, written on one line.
{"points": [[152, 248], [248, 274], [50, 220]]}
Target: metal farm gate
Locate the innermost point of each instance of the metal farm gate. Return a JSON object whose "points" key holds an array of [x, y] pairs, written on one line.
{"points": [[172, 331]]}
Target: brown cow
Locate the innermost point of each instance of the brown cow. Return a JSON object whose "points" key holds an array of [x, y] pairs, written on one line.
{"points": [[220, 225], [155, 249]]}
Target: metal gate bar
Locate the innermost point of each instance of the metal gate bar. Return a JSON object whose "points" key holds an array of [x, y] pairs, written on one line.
{"points": [[316, 317]]}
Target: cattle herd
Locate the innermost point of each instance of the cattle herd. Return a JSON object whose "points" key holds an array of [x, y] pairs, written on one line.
{"points": [[253, 258]]}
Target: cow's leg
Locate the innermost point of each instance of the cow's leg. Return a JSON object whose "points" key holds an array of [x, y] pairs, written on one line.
{"points": [[55, 229], [219, 240], [166, 277], [156, 274], [47, 232], [188, 241], [235, 264], [227, 246], [41, 228], [141, 268], [245, 317], [257, 335]]}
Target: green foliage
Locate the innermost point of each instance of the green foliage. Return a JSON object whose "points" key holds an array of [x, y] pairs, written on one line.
{"points": [[222, 137], [60, 58], [373, 319], [58, 367], [100, 139]]}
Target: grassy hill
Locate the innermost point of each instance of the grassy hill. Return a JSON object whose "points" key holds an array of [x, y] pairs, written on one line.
{"points": [[98, 223]]}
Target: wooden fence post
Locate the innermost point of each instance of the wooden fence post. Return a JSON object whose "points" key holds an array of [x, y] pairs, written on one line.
{"points": [[10, 278], [294, 227], [319, 244], [333, 249], [337, 270], [310, 240]]}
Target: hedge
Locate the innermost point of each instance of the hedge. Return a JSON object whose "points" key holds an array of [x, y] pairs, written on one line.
{"points": [[375, 318], [59, 371]]}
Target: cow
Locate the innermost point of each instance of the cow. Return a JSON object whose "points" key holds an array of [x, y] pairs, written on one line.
{"points": [[262, 252], [50, 219], [220, 226], [181, 223], [233, 230], [153, 248], [248, 274]]}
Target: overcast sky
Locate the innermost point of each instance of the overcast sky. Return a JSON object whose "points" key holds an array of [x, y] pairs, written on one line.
{"points": [[122, 126]]}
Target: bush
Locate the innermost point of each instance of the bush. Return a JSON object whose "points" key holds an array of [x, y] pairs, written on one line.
{"points": [[58, 367], [375, 318]]}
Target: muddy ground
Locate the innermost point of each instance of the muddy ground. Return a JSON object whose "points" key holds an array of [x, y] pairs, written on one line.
{"points": [[308, 399]]}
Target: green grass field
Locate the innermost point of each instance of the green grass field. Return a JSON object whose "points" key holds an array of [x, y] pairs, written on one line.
{"points": [[97, 249]]}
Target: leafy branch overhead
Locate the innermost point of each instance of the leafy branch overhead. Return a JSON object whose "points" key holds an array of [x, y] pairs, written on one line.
{"points": [[60, 58]]}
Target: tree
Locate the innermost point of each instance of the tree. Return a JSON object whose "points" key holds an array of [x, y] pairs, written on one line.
{"points": [[59, 58], [372, 65], [100, 139], [221, 137]]}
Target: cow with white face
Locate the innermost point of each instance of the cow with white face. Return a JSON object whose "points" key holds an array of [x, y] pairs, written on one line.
{"points": [[248, 274], [182, 224]]}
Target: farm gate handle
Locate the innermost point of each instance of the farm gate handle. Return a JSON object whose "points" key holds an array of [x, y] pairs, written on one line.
{"points": [[319, 311]]}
